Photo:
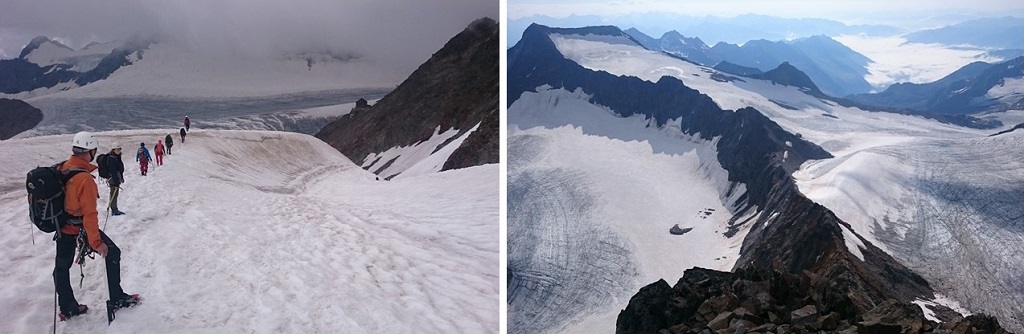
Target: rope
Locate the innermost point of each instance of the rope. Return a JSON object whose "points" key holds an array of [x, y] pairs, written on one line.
{"points": [[83, 250]]}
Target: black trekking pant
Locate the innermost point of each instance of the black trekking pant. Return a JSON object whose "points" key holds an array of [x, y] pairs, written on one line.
{"points": [[66, 247]]}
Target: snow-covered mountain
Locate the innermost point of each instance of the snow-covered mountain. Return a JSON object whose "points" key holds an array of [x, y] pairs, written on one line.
{"points": [[44, 52], [732, 29], [973, 88], [47, 66], [255, 231], [835, 68], [443, 116], [611, 144]]}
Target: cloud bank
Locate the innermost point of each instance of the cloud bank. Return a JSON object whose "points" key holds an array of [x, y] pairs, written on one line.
{"points": [[402, 34]]}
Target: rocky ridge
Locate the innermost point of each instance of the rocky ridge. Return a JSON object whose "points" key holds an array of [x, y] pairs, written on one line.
{"points": [[457, 88], [770, 301]]}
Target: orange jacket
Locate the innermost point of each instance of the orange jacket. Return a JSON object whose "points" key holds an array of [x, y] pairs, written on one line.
{"points": [[159, 148], [80, 194]]}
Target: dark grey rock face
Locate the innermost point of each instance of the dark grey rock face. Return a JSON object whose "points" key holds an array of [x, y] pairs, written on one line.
{"points": [[456, 88], [762, 300], [17, 116]]}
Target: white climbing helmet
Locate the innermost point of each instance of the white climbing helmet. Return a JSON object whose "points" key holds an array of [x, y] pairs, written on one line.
{"points": [[115, 145], [84, 141]]}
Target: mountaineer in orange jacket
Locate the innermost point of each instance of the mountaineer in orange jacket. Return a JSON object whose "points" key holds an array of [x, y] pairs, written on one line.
{"points": [[80, 204]]}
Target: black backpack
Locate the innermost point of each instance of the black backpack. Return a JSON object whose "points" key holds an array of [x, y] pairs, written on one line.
{"points": [[101, 160], [45, 187]]}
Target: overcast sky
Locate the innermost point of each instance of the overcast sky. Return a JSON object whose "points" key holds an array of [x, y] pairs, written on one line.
{"points": [[846, 11], [404, 33]]}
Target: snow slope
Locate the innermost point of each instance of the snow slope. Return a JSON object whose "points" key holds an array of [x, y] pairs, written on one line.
{"points": [[592, 197], [943, 199], [421, 158], [250, 231]]}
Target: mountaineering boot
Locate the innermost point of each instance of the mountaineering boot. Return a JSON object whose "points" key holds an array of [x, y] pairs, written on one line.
{"points": [[65, 315], [125, 301], [116, 213]]}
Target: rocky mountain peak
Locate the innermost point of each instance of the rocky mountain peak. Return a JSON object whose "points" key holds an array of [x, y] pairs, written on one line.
{"points": [[456, 89], [789, 75], [37, 42]]}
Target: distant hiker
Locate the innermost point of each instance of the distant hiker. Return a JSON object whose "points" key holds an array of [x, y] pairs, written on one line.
{"points": [[159, 150], [170, 142], [83, 227], [187, 123], [115, 169], [182, 132], [143, 158]]}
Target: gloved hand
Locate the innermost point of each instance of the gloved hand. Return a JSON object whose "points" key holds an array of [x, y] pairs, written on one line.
{"points": [[102, 249]]}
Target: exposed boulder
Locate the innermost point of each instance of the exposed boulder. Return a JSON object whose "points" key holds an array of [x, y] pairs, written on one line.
{"points": [[679, 231]]}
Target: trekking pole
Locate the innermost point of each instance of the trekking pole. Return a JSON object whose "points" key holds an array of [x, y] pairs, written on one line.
{"points": [[55, 310], [107, 217]]}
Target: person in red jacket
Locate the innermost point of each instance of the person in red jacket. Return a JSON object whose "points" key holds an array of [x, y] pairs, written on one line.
{"points": [[159, 150], [80, 205]]}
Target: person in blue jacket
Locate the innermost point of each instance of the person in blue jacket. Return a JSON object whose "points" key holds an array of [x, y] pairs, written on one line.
{"points": [[143, 158]]}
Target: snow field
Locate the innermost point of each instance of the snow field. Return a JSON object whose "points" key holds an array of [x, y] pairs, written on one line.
{"points": [[635, 183], [249, 231]]}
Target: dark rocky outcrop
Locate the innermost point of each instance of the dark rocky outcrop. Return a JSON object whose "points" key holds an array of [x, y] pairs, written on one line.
{"points": [[456, 88], [17, 116], [789, 75], [727, 67], [771, 301], [678, 230], [1014, 128]]}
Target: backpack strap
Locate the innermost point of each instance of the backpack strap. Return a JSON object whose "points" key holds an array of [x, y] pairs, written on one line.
{"points": [[68, 174]]}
